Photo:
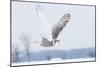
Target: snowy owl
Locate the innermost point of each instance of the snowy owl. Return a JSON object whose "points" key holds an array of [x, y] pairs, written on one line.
{"points": [[50, 33]]}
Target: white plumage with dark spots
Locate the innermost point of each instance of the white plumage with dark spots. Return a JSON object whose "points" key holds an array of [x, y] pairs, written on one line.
{"points": [[51, 33]]}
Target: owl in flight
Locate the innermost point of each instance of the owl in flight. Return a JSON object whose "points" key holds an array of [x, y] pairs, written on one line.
{"points": [[51, 33]]}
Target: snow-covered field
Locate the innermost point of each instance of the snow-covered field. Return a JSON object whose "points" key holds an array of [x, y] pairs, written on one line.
{"points": [[55, 60]]}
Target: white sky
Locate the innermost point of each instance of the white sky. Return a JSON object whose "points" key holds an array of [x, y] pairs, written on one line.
{"points": [[79, 33]]}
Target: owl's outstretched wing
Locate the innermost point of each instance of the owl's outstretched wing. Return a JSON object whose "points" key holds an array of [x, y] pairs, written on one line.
{"points": [[58, 27], [45, 27]]}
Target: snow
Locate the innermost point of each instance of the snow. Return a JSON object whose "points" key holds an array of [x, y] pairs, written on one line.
{"points": [[55, 60]]}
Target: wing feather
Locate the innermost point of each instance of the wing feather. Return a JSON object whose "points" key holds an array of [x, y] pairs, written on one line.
{"points": [[58, 27]]}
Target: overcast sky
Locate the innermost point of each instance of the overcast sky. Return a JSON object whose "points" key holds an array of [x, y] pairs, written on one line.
{"points": [[79, 33]]}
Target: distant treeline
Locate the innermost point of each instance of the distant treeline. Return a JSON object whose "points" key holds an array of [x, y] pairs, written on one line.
{"points": [[49, 54]]}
